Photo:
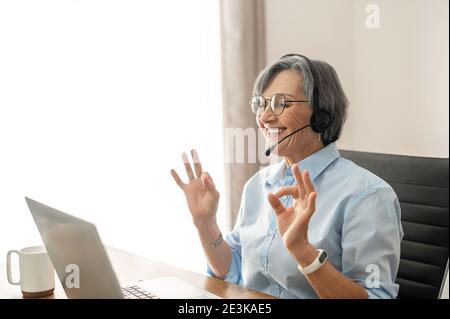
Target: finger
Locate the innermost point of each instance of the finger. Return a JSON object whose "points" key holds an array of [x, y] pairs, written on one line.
{"points": [[197, 164], [302, 220], [309, 186], [177, 179], [299, 180], [311, 206], [207, 182], [288, 191], [210, 180], [276, 204], [188, 167]]}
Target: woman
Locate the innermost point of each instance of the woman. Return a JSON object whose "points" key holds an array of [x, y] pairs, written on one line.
{"points": [[315, 224]]}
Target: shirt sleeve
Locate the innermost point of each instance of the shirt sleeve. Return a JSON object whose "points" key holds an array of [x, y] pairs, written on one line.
{"points": [[234, 272], [371, 236]]}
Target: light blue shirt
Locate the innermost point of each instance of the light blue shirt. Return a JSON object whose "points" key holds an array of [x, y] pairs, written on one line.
{"points": [[357, 221]]}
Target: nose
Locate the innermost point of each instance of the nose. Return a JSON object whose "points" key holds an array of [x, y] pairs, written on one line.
{"points": [[267, 116]]}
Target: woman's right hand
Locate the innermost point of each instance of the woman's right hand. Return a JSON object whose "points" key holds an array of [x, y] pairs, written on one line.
{"points": [[201, 194]]}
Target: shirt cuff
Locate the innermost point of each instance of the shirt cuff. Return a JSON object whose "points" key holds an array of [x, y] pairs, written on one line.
{"points": [[378, 293], [234, 272]]}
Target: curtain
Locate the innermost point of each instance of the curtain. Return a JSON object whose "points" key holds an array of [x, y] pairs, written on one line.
{"points": [[243, 57]]}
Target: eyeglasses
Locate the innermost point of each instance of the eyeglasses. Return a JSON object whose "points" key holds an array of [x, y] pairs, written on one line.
{"points": [[277, 103]]}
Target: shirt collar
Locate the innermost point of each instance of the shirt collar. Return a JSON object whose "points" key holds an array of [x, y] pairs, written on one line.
{"points": [[315, 164]]}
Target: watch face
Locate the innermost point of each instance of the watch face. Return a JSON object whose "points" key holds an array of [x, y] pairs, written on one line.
{"points": [[323, 257]]}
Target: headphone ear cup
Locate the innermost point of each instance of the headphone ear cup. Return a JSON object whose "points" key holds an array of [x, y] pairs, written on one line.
{"points": [[320, 121]]}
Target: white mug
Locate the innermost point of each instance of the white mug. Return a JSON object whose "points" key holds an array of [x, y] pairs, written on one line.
{"points": [[37, 275]]}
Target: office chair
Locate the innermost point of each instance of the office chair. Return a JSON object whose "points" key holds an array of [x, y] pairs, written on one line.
{"points": [[421, 185]]}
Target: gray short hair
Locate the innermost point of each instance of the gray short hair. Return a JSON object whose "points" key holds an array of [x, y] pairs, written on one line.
{"points": [[331, 95]]}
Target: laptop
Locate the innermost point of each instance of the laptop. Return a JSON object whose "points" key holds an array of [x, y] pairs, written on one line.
{"points": [[72, 241]]}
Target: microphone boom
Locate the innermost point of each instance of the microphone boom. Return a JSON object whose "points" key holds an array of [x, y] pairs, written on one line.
{"points": [[269, 150]]}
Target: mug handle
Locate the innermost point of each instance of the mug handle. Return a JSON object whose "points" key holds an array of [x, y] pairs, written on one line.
{"points": [[8, 267]]}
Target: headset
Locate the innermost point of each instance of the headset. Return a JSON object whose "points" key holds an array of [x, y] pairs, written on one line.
{"points": [[320, 119]]}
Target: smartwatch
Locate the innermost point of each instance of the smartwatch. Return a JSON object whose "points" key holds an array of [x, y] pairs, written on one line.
{"points": [[316, 264]]}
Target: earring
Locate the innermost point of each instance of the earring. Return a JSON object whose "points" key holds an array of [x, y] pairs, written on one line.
{"points": [[320, 138]]}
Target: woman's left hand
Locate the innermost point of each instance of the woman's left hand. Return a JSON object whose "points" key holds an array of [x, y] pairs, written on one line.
{"points": [[293, 221]]}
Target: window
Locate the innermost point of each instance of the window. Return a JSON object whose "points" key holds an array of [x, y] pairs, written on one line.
{"points": [[97, 101]]}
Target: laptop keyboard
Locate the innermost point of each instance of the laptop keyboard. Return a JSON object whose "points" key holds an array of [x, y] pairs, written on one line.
{"points": [[136, 292]]}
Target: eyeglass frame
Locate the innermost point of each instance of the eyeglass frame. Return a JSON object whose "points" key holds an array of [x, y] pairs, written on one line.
{"points": [[270, 100]]}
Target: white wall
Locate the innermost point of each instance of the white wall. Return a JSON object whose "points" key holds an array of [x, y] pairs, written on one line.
{"points": [[396, 77]]}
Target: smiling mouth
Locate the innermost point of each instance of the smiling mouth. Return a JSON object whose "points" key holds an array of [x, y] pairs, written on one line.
{"points": [[274, 134]]}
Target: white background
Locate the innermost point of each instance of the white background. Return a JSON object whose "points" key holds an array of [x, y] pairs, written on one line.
{"points": [[395, 77], [97, 101]]}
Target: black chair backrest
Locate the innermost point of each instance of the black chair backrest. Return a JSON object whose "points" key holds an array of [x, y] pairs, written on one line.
{"points": [[421, 184]]}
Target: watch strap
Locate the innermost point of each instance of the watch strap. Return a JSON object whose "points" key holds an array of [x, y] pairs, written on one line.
{"points": [[316, 264]]}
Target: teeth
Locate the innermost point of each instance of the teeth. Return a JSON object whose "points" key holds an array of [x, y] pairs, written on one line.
{"points": [[274, 130]]}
